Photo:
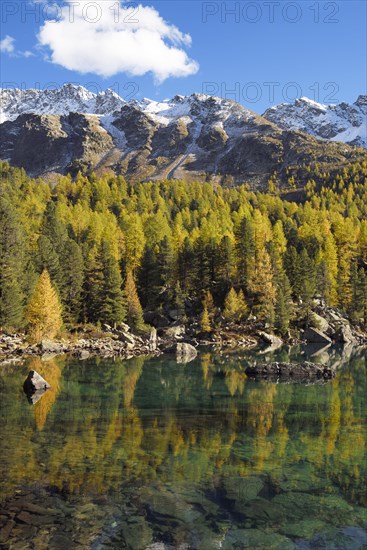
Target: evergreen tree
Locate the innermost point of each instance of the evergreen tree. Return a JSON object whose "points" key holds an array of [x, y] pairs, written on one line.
{"points": [[11, 267], [245, 251], [225, 261], [93, 287], [48, 258], [308, 278], [73, 278], [43, 313], [179, 303], [54, 229], [362, 294], [283, 304], [113, 309], [149, 279], [134, 309]]}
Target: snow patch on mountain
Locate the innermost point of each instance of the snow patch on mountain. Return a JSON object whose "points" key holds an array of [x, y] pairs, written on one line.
{"points": [[62, 101], [343, 122]]}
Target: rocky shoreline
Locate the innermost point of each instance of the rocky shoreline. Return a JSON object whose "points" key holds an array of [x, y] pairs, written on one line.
{"points": [[326, 327]]}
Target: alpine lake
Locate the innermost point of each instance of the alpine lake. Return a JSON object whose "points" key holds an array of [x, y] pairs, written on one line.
{"points": [[146, 453]]}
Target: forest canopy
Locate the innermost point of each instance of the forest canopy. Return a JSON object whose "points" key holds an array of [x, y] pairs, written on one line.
{"points": [[113, 248]]}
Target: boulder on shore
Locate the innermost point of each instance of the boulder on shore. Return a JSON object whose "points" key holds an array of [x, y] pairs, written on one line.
{"points": [[175, 332], [185, 352], [153, 339], [270, 339], [315, 336], [345, 335], [320, 323], [274, 341], [49, 346]]}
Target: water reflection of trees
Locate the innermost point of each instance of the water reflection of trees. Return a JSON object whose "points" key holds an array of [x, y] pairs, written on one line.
{"points": [[105, 424]]}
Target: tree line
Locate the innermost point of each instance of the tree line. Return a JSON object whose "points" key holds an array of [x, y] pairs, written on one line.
{"points": [[112, 250]]}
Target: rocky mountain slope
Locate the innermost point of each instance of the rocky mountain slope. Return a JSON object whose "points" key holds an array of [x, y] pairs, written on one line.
{"points": [[343, 122], [198, 136]]}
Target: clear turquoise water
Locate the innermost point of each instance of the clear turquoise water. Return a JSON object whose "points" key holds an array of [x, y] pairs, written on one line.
{"points": [[125, 454]]}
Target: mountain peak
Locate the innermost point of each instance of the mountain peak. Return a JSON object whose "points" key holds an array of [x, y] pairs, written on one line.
{"points": [[343, 122]]}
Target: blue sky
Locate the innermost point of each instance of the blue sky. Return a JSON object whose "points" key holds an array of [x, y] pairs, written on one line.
{"points": [[257, 52]]}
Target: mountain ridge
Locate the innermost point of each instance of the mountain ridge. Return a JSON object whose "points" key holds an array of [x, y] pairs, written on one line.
{"points": [[342, 122], [198, 136]]}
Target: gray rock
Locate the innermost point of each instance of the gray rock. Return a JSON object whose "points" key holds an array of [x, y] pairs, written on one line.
{"points": [[83, 354], [185, 352], [49, 346], [124, 327], [126, 337], [274, 341], [6, 530], [174, 314], [175, 332], [34, 382], [315, 336], [153, 339], [320, 323], [344, 335]]}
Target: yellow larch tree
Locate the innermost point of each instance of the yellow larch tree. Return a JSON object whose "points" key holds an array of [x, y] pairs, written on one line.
{"points": [[43, 315]]}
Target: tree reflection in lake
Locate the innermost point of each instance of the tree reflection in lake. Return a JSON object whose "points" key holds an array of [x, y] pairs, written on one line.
{"points": [[124, 453]]}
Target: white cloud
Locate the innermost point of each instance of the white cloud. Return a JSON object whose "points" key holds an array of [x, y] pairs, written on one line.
{"points": [[95, 37], [7, 44]]}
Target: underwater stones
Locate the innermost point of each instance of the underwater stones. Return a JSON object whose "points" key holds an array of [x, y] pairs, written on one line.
{"points": [[302, 529], [302, 477], [243, 489], [261, 511], [256, 539], [136, 533]]}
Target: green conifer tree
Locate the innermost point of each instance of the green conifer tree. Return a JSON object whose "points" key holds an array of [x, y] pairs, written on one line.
{"points": [[11, 267], [113, 309]]}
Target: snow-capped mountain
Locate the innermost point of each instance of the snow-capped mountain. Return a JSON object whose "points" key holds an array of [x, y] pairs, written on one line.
{"points": [[60, 101], [342, 122], [198, 136]]}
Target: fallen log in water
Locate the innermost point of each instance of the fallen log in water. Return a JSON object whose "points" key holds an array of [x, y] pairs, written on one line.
{"points": [[299, 371]]}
